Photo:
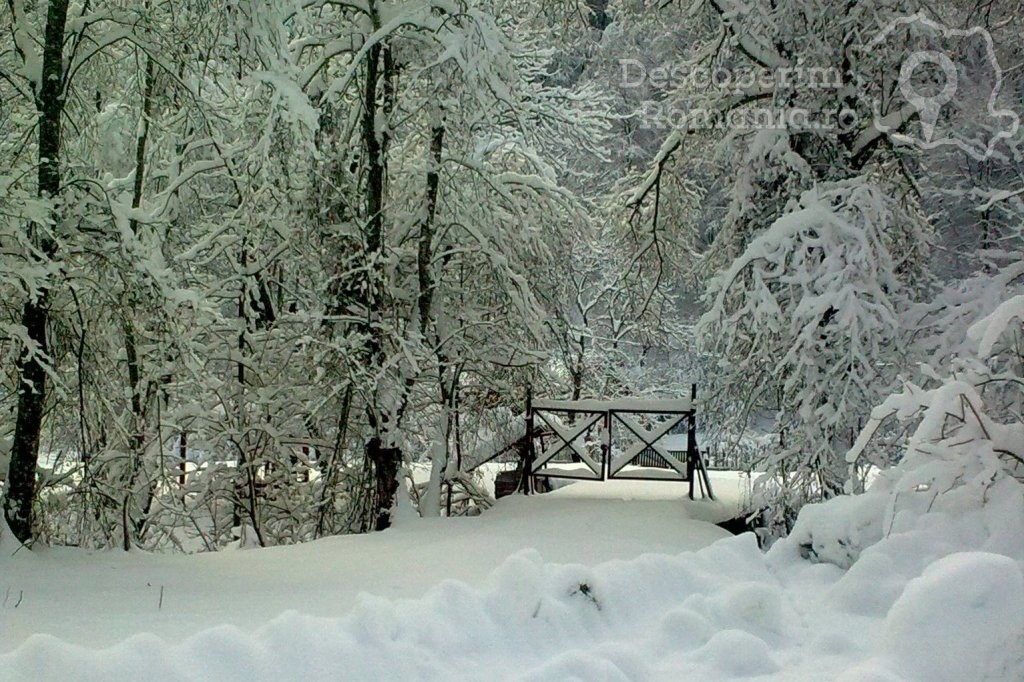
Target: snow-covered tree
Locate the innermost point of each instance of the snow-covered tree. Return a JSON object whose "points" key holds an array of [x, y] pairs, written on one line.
{"points": [[823, 248], [808, 319]]}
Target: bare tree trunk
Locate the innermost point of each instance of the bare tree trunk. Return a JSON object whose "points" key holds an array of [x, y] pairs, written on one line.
{"points": [[385, 462], [133, 526], [380, 69], [138, 438], [21, 480], [330, 467], [246, 500], [430, 503], [425, 252]]}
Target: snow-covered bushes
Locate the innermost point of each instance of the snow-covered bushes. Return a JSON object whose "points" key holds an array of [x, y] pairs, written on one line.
{"points": [[964, 459], [808, 320]]}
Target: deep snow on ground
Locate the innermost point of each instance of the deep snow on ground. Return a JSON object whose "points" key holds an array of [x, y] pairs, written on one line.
{"points": [[935, 593], [100, 598]]}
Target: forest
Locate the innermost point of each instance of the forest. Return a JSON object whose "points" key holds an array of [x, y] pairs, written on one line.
{"points": [[260, 259]]}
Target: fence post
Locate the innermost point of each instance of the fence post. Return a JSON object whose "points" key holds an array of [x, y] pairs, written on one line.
{"points": [[527, 482], [691, 438], [606, 447]]}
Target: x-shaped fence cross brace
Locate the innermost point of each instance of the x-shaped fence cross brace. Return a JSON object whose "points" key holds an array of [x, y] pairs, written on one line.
{"points": [[648, 439], [566, 439]]}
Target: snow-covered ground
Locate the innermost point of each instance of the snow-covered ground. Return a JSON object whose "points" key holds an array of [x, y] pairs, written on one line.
{"points": [[596, 581], [98, 599]]}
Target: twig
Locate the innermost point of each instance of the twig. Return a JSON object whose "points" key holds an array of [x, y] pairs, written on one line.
{"points": [[892, 517]]}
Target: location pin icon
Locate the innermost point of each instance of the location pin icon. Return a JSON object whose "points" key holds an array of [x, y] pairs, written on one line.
{"points": [[928, 106]]}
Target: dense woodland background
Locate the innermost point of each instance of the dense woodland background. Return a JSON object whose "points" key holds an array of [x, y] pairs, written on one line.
{"points": [[307, 243]]}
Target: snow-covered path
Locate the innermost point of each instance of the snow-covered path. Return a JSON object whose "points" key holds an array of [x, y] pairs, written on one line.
{"points": [[98, 599]]}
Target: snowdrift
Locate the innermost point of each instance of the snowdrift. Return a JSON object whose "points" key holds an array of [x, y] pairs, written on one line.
{"points": [[896, 584]]}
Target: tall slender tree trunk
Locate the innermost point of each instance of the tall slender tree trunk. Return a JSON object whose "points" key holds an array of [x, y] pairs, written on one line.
{"points": [[134, 524], [425, 252], [380, 452], [430, 503], [21, 480]]}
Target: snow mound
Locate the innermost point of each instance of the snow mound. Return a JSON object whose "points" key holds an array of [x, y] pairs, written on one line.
{"points": [[932, 557], [985, 592], [948, 497], [933, 592], [535, 620]]}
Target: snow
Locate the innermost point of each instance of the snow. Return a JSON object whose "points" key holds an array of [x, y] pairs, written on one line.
{"points": [[984, 590], [597, 581], [117, 595], [663, 405], [988, 330]]}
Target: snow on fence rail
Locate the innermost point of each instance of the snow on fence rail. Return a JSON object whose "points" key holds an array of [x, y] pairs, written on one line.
{"points": [[663, 406]]}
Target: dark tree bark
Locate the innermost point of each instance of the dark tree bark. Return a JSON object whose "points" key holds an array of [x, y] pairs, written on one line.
{"points": [[378, 96], [21, 480], [134, 524], [599, 17], [425, 252], [247, 497], [385, 465]]}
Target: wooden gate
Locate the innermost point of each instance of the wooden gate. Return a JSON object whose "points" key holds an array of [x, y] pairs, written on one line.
{"points": [[615, 439]]}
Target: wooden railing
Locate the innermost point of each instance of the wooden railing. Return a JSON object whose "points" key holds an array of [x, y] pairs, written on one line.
{"points": [[614, 439]]}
